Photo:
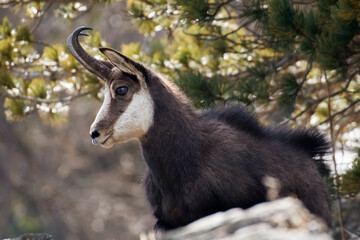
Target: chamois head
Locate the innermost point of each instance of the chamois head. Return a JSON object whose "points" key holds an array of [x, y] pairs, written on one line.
{"points": [[127, 111]]}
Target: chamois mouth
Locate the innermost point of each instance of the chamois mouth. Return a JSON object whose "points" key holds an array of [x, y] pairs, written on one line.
{"points": [[95, 141]]}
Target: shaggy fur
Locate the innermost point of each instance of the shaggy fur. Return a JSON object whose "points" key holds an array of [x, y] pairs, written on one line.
{"points": [[204, 162], [200, 163]]}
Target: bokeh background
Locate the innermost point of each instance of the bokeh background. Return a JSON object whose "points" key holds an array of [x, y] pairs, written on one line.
{"points": [[52, 178], [292, 62]]}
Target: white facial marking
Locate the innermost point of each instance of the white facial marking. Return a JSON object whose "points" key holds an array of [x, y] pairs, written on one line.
{"points": [[137, 118]]}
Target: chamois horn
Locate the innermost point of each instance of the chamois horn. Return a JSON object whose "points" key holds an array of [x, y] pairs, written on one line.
{"points": [[90, 63]]}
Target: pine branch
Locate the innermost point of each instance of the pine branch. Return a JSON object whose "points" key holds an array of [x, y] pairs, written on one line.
{"points": [[319, 100], [299, 2], [272, 68], [212, 37], [147, 2], [339, 112], [352, 235], [40, 19], [228, 18], [346, 116], [14, 2], [64, 100], [337, 176], [310, 63], [221, 5], [42, 43], [281, 62], [310, 66], [29, 75]]}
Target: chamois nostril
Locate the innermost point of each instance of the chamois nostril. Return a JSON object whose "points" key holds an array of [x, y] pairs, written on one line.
{"points": [[94, 134]]}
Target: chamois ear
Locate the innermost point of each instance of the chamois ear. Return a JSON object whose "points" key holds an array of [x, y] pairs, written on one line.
{"points": [[123, 63]]}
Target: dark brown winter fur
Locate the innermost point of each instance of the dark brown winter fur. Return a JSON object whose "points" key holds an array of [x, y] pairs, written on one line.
{"points": [[201, 163]]}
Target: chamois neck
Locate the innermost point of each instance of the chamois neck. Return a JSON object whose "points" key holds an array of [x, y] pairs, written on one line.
{"points": [[174, 141]]}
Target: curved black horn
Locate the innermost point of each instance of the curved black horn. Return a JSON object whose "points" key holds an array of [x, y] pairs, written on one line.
{"points": [[90, 63]]}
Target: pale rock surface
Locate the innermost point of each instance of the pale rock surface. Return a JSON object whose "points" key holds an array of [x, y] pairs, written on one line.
{"points": [[282, 219]]}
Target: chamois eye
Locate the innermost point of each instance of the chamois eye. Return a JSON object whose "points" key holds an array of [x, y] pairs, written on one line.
{"points": [[121, 91]]}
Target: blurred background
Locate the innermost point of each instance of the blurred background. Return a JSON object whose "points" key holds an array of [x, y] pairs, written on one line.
{"points": [[52, 178], [293, 63]]}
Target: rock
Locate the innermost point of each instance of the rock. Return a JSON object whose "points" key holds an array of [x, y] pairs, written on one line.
{"points": [[282, 219], [285, 219], [33, 236]]}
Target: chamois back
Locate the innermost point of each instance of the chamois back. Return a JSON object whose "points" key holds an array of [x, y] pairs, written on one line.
{"points": [[309, 140]]}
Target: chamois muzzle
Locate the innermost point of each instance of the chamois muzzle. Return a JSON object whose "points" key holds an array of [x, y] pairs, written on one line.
{"points": [[90, 63]]}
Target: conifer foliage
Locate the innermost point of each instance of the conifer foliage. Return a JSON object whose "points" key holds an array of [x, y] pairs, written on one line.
{"points": [[279, 53], [44, 81]]}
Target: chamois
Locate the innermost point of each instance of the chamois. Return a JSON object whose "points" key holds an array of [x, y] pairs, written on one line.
{"points": [[200, 162]]}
